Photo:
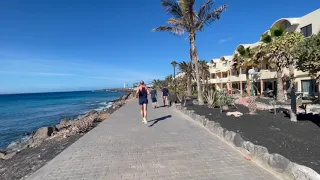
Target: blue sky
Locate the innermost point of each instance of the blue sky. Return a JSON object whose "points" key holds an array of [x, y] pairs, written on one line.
{"points": [[79, 44]]}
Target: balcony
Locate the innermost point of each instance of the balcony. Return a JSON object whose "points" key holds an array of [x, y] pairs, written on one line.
{"points": [[237, 78], [267, 74], [222, 80], [213, 81]]}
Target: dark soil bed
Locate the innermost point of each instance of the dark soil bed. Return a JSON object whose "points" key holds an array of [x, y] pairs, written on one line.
{"points": [[267, 100], [31, 159], [299, 142]]}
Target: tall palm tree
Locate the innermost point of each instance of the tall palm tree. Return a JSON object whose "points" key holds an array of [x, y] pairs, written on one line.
{"points": [[186, 19], [243, 58], [267, 38], [156, 83], [186, 68], [204, 71], [169, 81]]}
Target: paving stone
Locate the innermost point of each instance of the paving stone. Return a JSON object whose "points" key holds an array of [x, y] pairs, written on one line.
{"points": [[174, 147]]}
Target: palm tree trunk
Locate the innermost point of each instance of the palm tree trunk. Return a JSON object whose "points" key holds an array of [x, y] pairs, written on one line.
{"points": [[203, 82], [196, 63], [280, 93], [248, 82], [189, 87]]}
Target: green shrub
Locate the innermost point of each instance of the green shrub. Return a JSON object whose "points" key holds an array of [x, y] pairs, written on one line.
{"points": [[223, 99]]}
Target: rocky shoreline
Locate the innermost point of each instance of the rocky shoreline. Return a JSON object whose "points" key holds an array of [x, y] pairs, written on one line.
{"points": [[21, 159]]}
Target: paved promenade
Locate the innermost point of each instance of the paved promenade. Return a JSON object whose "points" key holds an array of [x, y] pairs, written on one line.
{"points": [[171, 146]]}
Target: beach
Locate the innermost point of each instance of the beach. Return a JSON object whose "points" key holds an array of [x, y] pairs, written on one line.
{"points": [[22, 158]]}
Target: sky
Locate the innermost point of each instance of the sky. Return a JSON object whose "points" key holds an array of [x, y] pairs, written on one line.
{"points": [[64, 45]]}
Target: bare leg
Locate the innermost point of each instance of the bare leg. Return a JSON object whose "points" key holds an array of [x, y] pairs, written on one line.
{"points": [[145, 110], [142, 113]]}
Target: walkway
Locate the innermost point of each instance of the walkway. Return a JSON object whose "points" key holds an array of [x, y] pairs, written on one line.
{"points": [[169, 147]]}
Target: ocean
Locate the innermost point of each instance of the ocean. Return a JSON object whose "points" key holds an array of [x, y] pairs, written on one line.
{"points": [[21, 114]]}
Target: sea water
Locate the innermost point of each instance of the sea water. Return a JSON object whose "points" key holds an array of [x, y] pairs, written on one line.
{"points": [[21, 114]]}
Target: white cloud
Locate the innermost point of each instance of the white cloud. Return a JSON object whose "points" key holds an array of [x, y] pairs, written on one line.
{"points": [[225, 40]]}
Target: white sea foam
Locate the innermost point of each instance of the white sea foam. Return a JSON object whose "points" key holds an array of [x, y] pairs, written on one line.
{"points": [[106, 105]]}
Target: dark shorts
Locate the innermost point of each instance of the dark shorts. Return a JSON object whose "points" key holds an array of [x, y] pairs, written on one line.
{"points": [[154, 100], [143, 101]]}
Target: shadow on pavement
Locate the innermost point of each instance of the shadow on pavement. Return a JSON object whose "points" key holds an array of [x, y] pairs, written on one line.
{"points": [[155, 121]]}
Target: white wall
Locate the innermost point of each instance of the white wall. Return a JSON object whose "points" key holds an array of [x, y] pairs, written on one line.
{"points": [[311, 18]]}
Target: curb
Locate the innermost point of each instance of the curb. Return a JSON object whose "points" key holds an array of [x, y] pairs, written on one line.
{"points": [[276, 163]]}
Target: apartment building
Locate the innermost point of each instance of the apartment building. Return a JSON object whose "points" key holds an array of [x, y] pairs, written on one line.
{"points": [[224, 76]]}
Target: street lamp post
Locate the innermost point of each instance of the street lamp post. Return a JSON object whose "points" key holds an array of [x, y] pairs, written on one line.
{"points": [[252, 72], [174, 64]]}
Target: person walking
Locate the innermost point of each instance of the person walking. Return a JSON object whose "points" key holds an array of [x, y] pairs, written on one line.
{"points": [[165, 94], [142, 93], [154, 97]]}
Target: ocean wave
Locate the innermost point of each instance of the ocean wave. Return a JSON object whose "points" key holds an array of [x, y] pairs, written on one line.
{"points": [[99, 109], [106, 105], [19, 143]]}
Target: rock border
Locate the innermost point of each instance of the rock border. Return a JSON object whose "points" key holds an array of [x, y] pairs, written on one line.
{"points": [[274, 162]]}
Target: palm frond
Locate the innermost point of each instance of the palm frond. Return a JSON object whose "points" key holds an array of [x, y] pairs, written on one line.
{"points": [[266, 38], [211, 17], [185, 67], [186, 6], [174, 30], [205, 9], [278, 31], [172, 7], [176, 22]]}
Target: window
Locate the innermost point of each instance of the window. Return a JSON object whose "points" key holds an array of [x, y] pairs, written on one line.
{"points": [[307, 30], [268, 86], [212, 75], [267, 66], [243, 71], [235, 72], [224, 75], [309, 86]]}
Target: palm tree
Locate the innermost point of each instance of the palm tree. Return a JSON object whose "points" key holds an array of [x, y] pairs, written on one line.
{"points": [[187, 19], [169, 81], [205, 73], [273, 33], [186, 68], [267, 38], [156, 83], [243, 58]]}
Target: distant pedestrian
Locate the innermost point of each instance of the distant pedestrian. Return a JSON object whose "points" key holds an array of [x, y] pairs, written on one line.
{"points": [[165, 94], [142, 93], [154, 97]]}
